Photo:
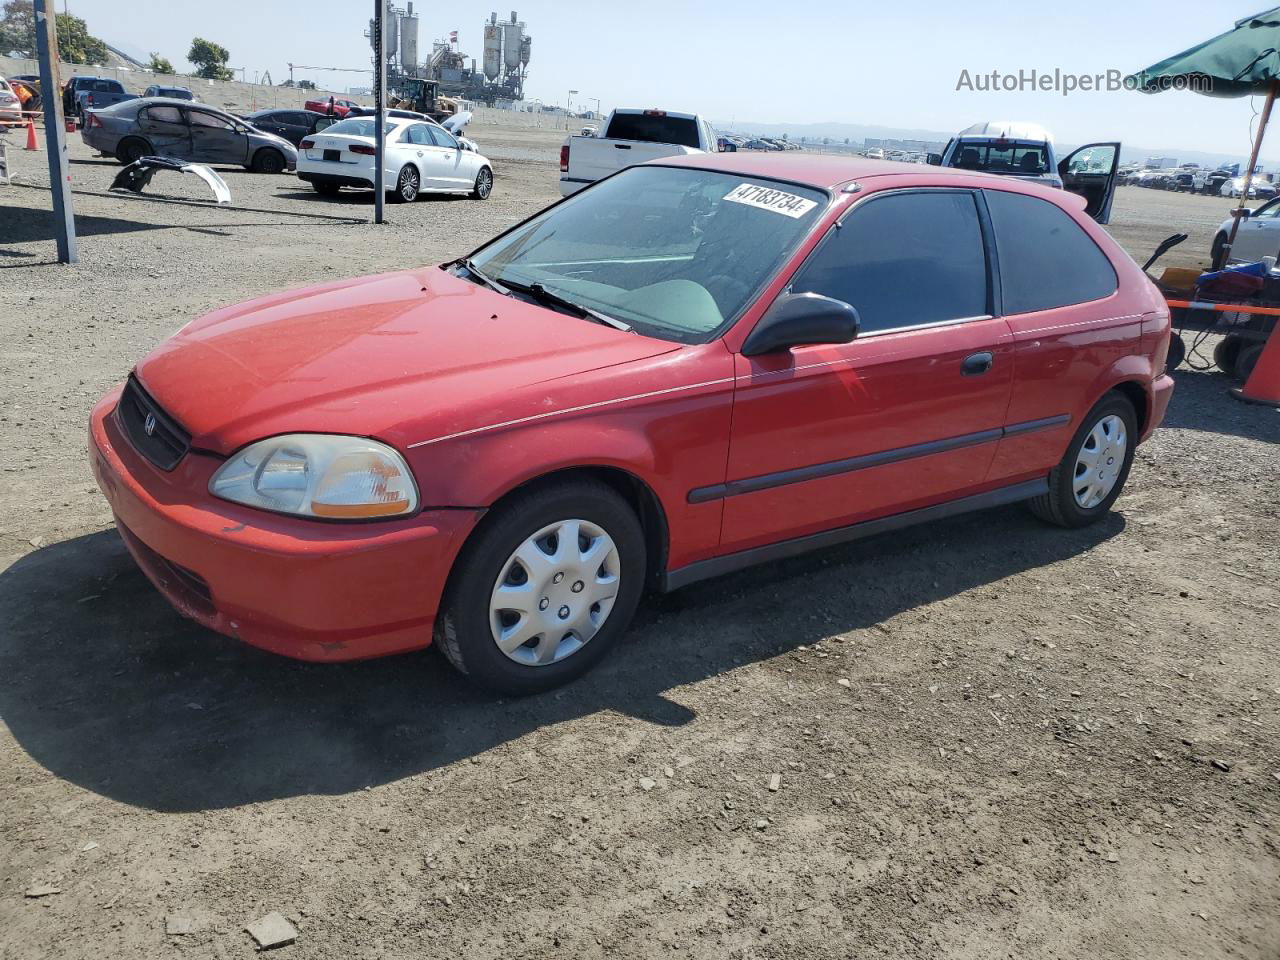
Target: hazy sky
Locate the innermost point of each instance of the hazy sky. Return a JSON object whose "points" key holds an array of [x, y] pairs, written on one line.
{"points": [[802, 61]]}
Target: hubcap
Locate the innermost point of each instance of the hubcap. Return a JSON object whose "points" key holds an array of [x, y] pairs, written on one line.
{"points": [[486, 183], [555, 592], [1099, 462]]}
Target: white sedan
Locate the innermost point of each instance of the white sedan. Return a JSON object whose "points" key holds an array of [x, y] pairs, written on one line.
{"points": [[1258, 236], [420, 157]]}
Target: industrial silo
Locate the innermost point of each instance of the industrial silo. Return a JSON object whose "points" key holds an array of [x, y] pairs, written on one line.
{"points": [[492, 48], [512, 33], [526, 42], [409, 40]]}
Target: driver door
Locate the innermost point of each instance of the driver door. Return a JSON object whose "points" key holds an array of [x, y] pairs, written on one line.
{"points": [[216, 139], [1091, 171], [906, 415]]}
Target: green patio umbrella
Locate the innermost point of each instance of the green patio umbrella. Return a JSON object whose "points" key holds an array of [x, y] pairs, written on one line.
{"points": [[1243, 62]]}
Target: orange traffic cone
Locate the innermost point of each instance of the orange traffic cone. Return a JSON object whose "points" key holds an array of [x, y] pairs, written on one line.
{"points": [[1263, 385], [31, 135]]}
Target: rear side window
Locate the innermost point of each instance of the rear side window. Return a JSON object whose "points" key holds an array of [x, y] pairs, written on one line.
{"points": [[1046, 259], [653, 128], [904, 260], [162, 114]]}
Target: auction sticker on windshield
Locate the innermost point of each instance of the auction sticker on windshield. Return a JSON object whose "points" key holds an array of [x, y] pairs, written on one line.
{"points": [[766, 198]]}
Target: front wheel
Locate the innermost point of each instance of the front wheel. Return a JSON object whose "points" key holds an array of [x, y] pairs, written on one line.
{"points": [[484, 184], [1084, 485], [407, 184], [1218, 252], [544, 588]]}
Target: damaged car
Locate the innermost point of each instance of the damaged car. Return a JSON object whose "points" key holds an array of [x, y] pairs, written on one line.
{"points": [[164, 127]]}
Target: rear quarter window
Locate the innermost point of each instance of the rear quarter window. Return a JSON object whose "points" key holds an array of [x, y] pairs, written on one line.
{"points": [[1046, 258]]}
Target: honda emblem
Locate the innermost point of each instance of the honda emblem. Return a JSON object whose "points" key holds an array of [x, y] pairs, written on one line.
{"points": [[149, 424]]}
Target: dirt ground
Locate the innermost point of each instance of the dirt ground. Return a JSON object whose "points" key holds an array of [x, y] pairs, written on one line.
{"points": [[988, 737]]}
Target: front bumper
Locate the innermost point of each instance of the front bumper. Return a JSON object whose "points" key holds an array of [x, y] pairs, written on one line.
{"points": [[301, 588]]}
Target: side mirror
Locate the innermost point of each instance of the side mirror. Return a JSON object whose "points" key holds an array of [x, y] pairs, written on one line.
{"points": [[934, 159], [799, 319], [1244, 213]]}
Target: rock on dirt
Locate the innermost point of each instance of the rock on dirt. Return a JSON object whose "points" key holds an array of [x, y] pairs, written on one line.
{"points": [[273, 930]]}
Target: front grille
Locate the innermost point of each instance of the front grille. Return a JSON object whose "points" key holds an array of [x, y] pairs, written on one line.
{"points": [[165, 443]]}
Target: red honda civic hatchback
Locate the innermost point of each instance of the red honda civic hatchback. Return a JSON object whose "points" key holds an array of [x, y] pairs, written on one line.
{"points": [[687, 368]]}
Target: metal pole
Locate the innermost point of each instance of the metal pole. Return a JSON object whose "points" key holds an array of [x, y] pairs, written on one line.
{"points": [[379, 107], [55, 131], [1253, 162]]}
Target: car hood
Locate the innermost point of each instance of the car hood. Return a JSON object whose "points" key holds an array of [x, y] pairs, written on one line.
{"points": [[390, 356]]}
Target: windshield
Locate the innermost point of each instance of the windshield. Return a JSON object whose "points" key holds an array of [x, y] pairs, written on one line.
{"points": [[359, 127], [677, 253], [1001, 156]]}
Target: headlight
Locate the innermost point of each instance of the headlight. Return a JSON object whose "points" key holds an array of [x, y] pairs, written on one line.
{"points": [[316, 475]]}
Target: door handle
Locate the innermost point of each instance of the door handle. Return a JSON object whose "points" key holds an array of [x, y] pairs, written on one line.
{"points": [[976, 364]]}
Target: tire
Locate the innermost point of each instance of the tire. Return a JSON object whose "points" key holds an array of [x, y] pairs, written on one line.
{"points": [[1246, 360], [267, 160], [1218, 252], [130, 149], [1226, 353], [472, 617], [1060, 505], [484, 184], [408, 183], [1177, 353], [326, 189]]}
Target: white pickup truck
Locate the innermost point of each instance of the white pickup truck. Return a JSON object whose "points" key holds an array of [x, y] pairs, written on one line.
{"points": [[630, 137]]}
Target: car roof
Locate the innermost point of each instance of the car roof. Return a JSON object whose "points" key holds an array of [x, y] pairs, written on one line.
{"points": [[1007, 130], [824, 171]]}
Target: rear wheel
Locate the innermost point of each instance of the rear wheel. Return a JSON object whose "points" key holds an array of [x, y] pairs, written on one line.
{"points": [[544, 588], [1247, 360], [1226, 353], [484, 184], [130, 149], [408, 183], [267, 160], [1084, 485], [326, 189]]}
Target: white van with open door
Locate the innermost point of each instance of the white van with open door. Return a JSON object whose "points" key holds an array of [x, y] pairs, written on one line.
{"points": [[1025, 150]]}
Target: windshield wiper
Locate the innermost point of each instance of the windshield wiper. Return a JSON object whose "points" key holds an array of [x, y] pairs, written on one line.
{"points": [[540, 292], [480, 275]]}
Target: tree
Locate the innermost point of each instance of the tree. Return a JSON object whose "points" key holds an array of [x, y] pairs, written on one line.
{"points": [[18, 28], [160, 64], [76, 44], [210, 59]]}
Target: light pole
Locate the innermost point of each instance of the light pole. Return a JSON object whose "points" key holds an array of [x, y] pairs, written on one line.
{"points": [[568, 107]]}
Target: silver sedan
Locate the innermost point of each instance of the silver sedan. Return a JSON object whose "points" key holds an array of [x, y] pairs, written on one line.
{"points": [[164, 127]]}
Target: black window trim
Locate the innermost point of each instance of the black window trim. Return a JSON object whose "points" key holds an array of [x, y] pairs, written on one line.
{"points": [[988, 243], [995, 253]]}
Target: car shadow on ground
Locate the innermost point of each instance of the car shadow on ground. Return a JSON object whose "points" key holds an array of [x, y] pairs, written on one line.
{"points": [[1201, 402], [105, 686]]}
